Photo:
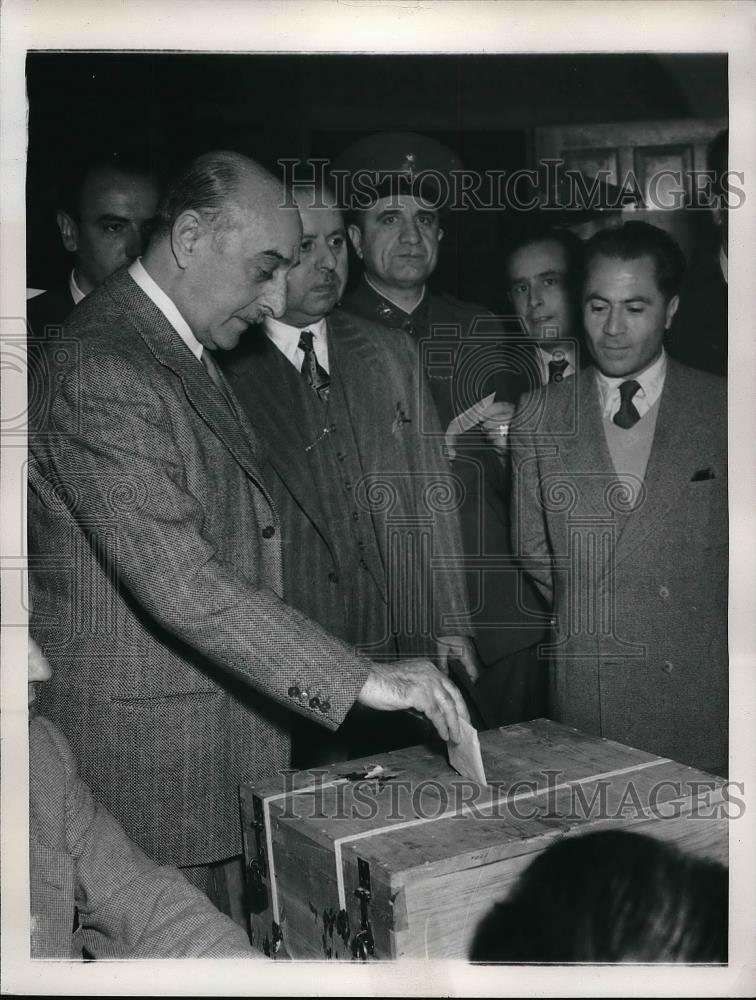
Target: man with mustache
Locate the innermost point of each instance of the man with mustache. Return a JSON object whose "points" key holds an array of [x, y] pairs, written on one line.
{"points": [[397, 189], [155, 545], [357, 475]]}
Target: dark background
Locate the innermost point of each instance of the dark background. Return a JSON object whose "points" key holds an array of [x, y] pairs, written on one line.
{"points": [[169, 107]]}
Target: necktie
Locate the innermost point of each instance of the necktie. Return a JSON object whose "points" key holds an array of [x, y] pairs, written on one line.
{"points": [[312, 371], [557, 369], [626, 416], [214, 372]]}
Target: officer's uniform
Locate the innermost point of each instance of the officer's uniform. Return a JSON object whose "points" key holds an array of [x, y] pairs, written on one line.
{"points": [[463, 359]]}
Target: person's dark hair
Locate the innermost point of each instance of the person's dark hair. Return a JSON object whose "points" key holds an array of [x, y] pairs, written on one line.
{"points": [[77, 172], [544, 233], [633, 240], [206, 185], [610, 896]]}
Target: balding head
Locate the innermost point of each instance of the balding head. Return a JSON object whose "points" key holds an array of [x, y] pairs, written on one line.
{"points": [[224, 244]]}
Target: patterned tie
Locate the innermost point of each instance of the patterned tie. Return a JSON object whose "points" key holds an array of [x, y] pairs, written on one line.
{"points": [[312, 371], [214, 372], [557, 369], [627, 416]]}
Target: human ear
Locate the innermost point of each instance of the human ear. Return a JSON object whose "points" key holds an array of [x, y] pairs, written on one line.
{"points": [[672, 305], [355, 235], [186, 233], [69, 231]]}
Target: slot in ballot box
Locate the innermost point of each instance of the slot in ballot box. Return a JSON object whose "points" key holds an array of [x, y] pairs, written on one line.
{"points": [[398, 856]]}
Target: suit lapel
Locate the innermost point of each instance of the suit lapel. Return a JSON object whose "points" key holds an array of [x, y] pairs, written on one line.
{"points": [[585, 453], [353, 357], [671, 462], [261, 386], [171, 352]]}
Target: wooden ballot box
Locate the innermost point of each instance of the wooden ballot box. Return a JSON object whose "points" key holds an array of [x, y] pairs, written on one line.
{"points": [[399, 856]]}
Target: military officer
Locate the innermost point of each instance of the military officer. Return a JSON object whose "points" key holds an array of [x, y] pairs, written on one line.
{"points": [[397, 188]]}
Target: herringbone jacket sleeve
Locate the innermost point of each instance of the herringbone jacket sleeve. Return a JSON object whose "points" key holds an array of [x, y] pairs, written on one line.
{"points": [[128, 906], [530, 537], [148, 493]]}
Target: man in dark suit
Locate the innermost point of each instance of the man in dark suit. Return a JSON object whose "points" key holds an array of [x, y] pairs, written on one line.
{"points": [[623, 524], [155, 546], [396, 202], [357, 474], [93, 892], [103, 217]]}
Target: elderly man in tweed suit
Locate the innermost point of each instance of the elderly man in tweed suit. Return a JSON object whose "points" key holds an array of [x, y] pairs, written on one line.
{"points": [[356, 470], [155, 546], [93, 892], [623, 521]]}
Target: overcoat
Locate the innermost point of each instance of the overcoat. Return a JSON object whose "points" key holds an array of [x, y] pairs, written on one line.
{"points": [[155, 560]]}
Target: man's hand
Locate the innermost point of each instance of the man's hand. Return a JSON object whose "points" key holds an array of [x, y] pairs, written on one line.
{"points": [[457, 647], [495, 422], [418, 685]]}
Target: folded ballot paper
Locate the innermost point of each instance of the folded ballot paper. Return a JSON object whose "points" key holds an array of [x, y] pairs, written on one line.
{"points": [[465, 756]]}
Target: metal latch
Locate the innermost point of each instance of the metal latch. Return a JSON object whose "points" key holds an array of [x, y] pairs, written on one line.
{"points": [[257, 870], [363, 944]]}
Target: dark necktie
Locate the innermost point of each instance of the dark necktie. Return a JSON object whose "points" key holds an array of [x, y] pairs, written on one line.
{"points": [[213, 371], [557, 369], [312, 371], [627, 416]]}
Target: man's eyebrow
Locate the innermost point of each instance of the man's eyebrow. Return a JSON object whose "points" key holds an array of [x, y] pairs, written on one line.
{"points": [[541, 274], [273, 256], [632, 298], [112, 218]]}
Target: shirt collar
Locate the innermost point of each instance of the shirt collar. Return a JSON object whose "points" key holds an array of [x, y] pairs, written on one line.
{"points": [[166, 306], [286, 339], [76, 293], [396, 305], [651, 383]]}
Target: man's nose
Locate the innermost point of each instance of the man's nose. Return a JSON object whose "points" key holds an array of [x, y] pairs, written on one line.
{"points": [[613, 324], [409, 232], [274, 298], [327, 260], [535, 298], [135, 243]]}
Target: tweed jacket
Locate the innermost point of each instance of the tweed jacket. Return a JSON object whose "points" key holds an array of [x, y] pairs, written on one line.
{"points": [[640, 594], [83, 865], [156, 580], [406, 481]]}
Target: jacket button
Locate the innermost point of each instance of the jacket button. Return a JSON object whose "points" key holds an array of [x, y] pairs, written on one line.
{"points": [[340, 455], [333, 577], [363, 564], [325, 706], [294, 691], [268, 531], [663, 592], [355, 516], [314, 702], [667, 667], [347, 486]]}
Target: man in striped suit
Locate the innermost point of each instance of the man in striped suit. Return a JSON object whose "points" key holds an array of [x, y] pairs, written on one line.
{"points": [[367, 500]]}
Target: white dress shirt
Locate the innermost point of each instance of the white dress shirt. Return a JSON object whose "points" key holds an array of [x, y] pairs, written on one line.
{"points": [[651, 384], [76, 293], [166, 306], [286, 339]]}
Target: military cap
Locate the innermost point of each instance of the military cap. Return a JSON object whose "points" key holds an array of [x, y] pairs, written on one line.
{"points": [[389, 163]]}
